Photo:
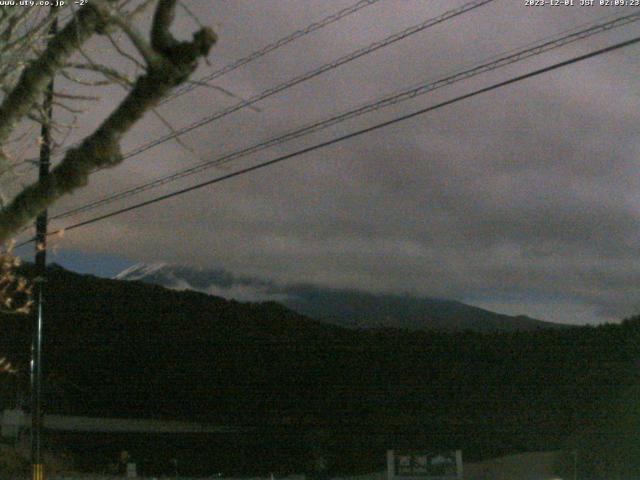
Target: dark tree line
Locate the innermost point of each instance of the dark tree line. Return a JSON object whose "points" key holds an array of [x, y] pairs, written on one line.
{"points": [[130, 349]]}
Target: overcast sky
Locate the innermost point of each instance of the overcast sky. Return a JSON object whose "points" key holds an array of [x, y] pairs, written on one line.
{"points": [[524, 200]]}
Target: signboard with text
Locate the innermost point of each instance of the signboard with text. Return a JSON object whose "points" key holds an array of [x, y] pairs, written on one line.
{"points": [[414, 465]]}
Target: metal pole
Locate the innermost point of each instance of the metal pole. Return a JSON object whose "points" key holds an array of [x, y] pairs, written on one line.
{"points": [[41, 272]]}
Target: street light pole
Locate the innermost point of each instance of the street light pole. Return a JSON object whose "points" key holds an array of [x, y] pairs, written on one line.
{"points": [[40, 280]]}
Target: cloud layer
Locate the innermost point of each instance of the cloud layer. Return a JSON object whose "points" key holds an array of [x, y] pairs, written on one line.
{"points": [[524, 199]]}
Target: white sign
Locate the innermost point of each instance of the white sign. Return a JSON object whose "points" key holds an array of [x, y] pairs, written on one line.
{"points": [[415, 465], [131, 470]]}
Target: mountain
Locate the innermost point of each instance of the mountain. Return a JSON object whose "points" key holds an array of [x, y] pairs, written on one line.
{"points": [[348, 308], [293, 385], [157, 345]]}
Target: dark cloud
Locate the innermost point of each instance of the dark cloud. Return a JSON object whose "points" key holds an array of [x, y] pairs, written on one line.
{"points": [[524, 199]]}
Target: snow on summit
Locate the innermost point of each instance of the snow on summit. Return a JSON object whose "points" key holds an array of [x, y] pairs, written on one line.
{"points": [[140, 271]]}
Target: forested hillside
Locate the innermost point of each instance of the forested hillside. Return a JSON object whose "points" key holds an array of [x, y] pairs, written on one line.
{"points": [[130, 349]]}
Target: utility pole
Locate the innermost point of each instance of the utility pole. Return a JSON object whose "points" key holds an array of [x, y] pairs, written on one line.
{"points": [[40, 282]]}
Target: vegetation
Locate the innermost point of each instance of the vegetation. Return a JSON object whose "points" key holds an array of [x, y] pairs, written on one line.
{"points": [[131, 349], [32, 53], [15, 463]]}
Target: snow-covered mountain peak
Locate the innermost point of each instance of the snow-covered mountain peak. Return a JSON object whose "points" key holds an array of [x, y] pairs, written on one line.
{"points": [[220, 283], [341, 306], [141, 270]]}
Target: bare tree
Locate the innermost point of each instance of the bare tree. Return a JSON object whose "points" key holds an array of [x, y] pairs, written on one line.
{"points": [[29, 58]]}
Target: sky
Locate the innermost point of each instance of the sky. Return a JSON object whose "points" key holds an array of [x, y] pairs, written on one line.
{"points": [[523, 200]]}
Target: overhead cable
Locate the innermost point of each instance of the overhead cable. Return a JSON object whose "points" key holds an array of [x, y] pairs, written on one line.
{"points": [[342, 138], [271, 47], [311, 74], [387, 101], [328, 20]]}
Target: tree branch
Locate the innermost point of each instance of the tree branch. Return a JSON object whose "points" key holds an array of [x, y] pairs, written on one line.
{"points": [[178, 60], [35, 78]]}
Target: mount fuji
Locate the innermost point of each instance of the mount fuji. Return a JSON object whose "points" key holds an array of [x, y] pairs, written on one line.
{"points": [[347, 308]]}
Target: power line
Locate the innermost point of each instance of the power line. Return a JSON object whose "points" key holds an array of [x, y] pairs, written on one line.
{"points": [[312, 73], [407, 94], [308, 75], [272, 46], [351, 135], [264, 50]]}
